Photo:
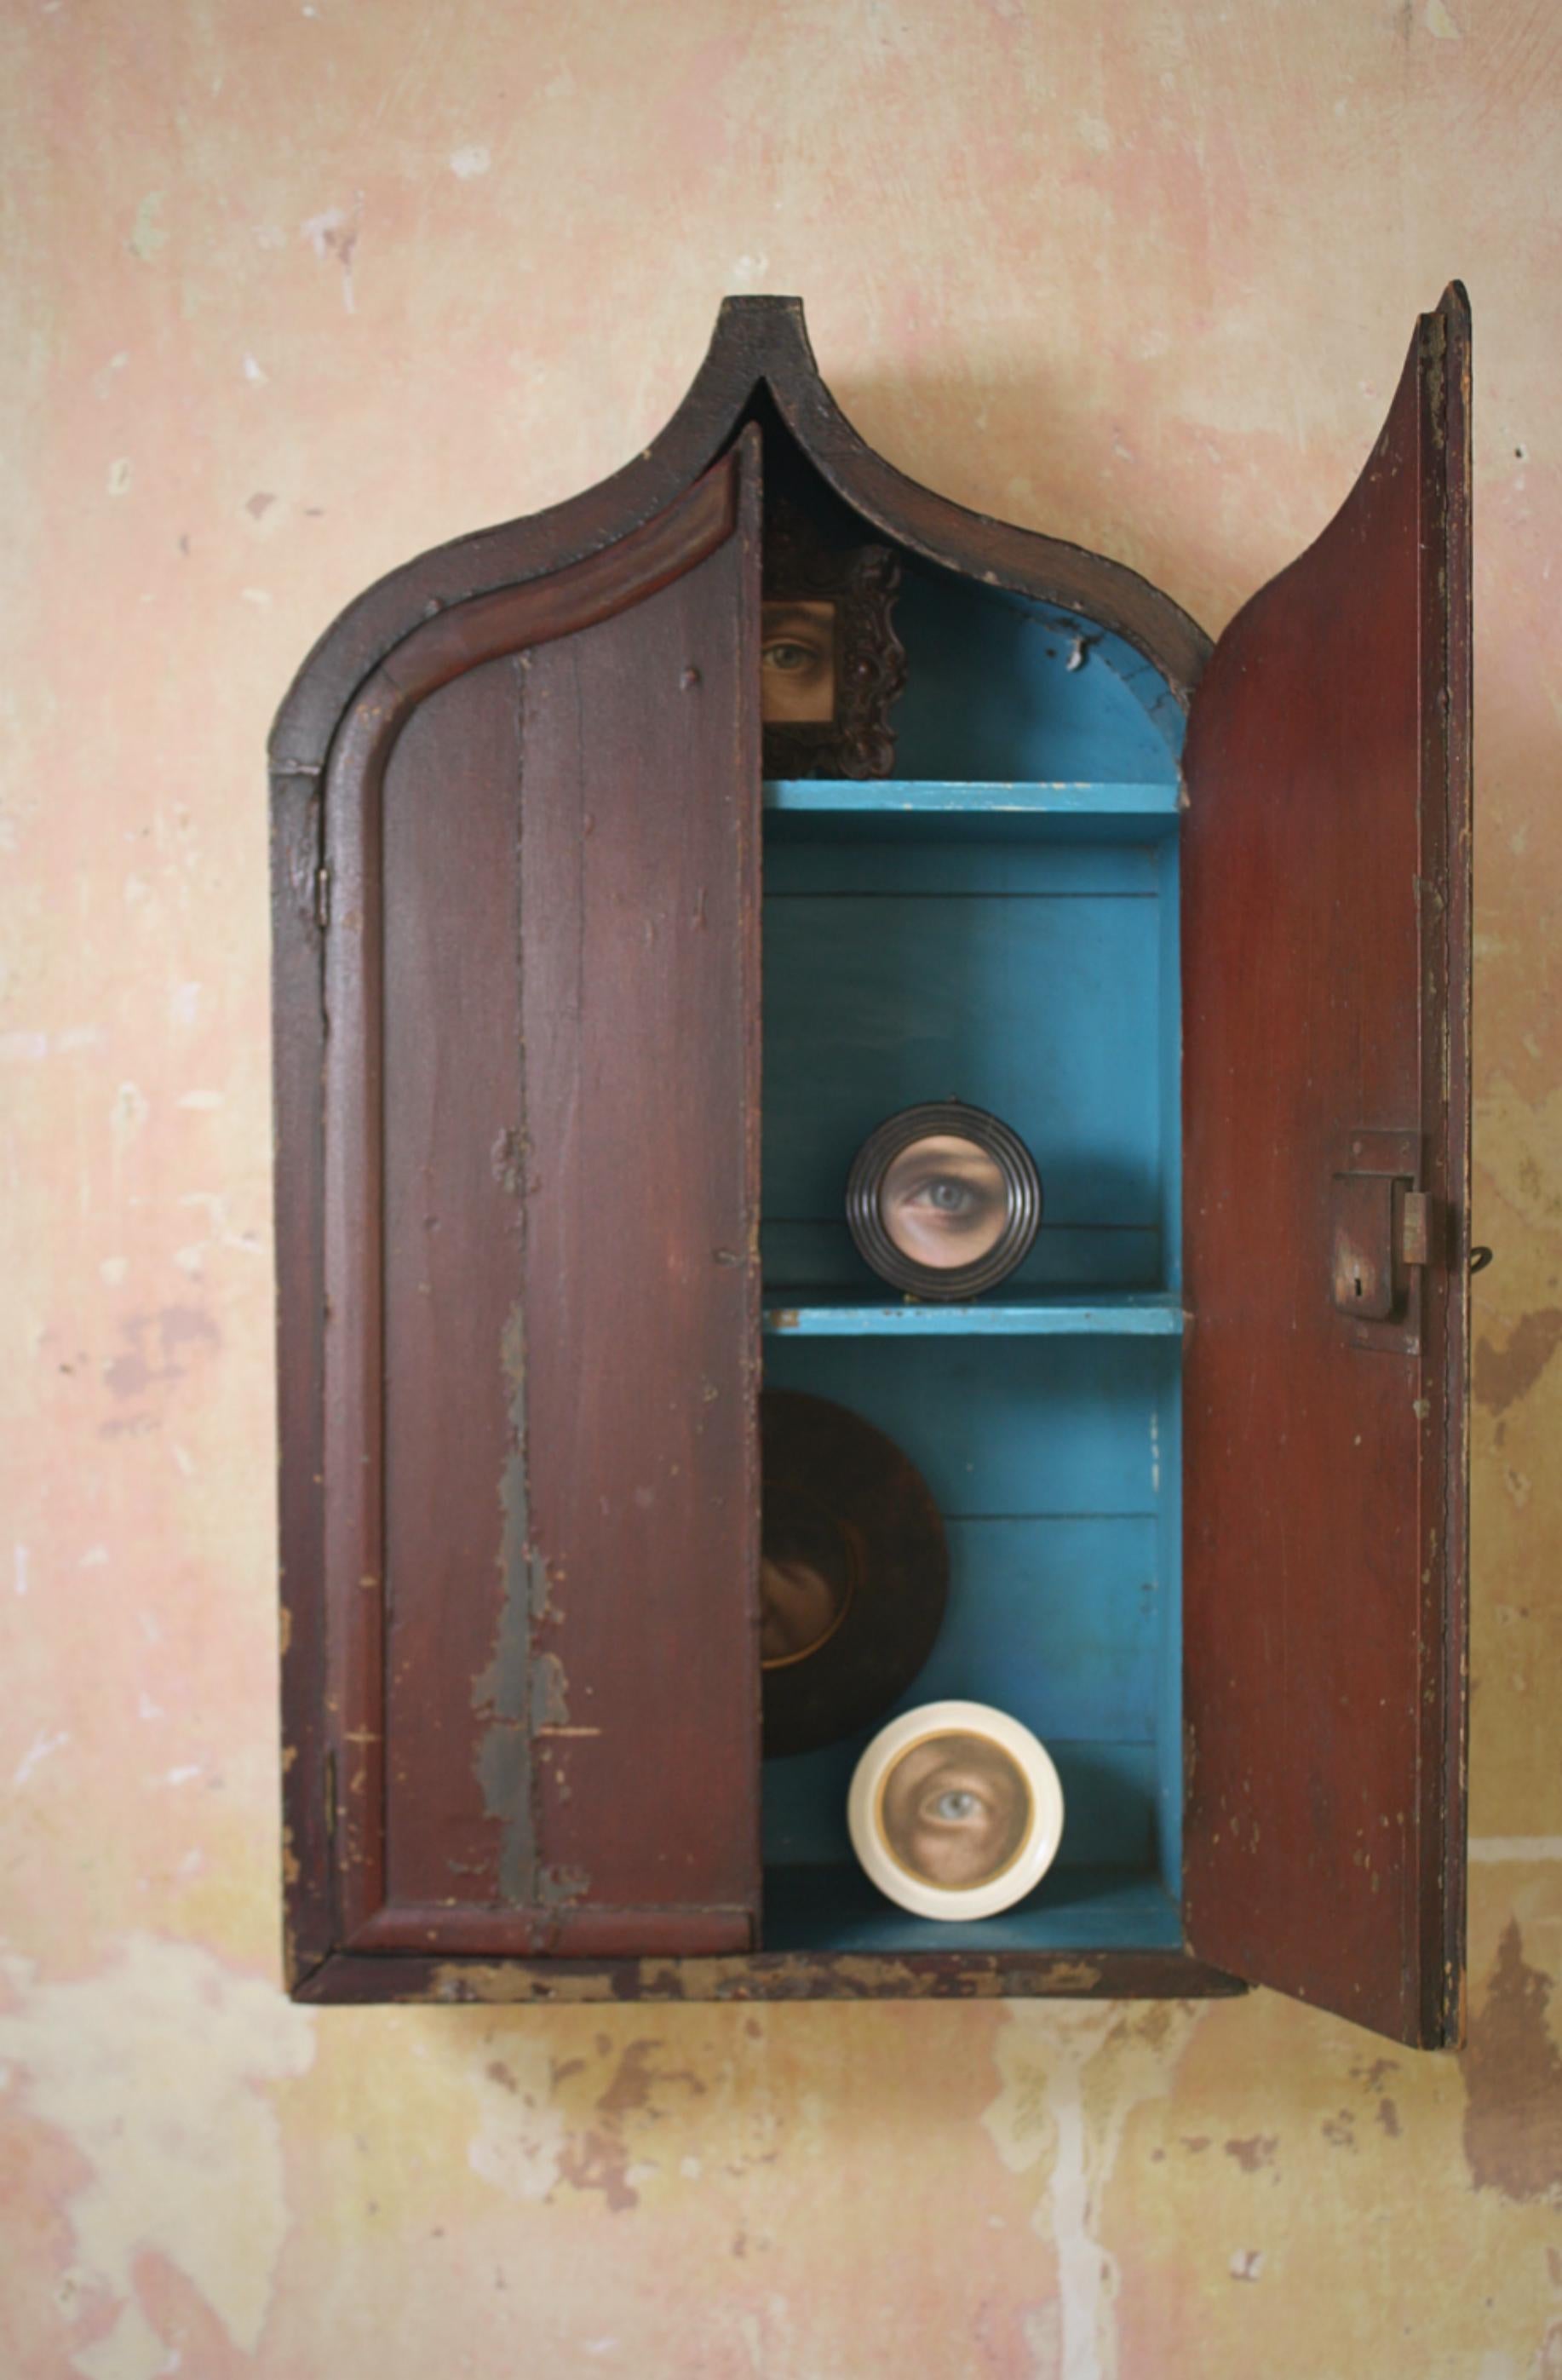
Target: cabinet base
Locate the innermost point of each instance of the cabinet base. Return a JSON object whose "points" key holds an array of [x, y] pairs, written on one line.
{"points": [[779, 1975]]}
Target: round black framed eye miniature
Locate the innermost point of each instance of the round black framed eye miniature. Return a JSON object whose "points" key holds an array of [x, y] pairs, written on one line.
{"points": [[943, 1200]]}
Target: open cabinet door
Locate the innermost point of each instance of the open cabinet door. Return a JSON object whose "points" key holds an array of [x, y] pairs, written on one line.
{"points": [[520, 1477], [1325, 948]]}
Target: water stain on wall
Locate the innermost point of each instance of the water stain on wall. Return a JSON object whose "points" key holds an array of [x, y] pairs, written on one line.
{"points": [[155, 2069], [1503, 1375], [1512, 2074]]}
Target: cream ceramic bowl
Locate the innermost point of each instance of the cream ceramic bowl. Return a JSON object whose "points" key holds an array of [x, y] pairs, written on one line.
{"points": [[955, 1810]]}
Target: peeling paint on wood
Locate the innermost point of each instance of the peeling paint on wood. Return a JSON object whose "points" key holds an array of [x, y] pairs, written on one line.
{"points": [[501, 1695]]}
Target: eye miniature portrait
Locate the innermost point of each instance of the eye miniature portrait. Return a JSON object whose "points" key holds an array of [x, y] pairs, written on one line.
{"points": [[944, 1201], [831, 666], [954, 1811], [797, 664]]}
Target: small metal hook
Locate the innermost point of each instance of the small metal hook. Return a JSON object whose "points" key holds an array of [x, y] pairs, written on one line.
{"points": [[1479, 1259]]}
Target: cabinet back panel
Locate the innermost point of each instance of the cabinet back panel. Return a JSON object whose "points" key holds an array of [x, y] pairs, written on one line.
{"points": [[1056, 1619], [874, 853], [1024, 979], [1001, 1425], [990, 691]]}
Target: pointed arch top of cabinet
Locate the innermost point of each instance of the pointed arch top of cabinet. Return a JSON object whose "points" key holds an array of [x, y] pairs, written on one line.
{"points": [[759, 345]]}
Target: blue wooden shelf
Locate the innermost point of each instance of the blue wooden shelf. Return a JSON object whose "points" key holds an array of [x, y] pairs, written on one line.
{"points": [[1073, 1909], [1127, 1314], [884, 798]]}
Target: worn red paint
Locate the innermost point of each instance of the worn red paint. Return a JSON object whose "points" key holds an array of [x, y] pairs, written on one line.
{"points": [[1325, 983]]}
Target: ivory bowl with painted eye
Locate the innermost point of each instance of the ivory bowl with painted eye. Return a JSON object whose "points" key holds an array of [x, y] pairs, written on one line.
{"points": [[955, 1811]]}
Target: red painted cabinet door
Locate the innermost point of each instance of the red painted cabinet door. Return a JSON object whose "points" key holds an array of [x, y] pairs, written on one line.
{"points": [[1325, 963], [520, 1501]]}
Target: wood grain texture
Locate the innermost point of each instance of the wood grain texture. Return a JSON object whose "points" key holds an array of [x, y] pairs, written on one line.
{"points": [[451, 1148], [1451, 748], [400, 1793], [297, 1061], [1325, 978], [641, 1021], [461, 1930], [758, 343]]}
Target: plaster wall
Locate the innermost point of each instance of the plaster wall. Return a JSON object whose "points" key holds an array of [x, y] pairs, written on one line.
{"points": [[293, 291]]}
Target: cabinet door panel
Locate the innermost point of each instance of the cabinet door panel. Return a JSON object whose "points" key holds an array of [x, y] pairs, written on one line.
{"points": [[1326, 967], [451, 1271], [639, 1022], [537, 1574]]}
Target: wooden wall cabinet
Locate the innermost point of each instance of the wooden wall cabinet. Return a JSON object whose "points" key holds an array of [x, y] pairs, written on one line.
{"points": [[578, 1024]]}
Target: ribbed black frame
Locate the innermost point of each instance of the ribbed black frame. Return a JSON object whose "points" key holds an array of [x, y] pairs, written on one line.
{"points": [[866, 1180]]}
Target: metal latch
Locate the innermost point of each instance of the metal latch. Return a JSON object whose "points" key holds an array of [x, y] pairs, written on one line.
{"points": [[1381, 1237]]}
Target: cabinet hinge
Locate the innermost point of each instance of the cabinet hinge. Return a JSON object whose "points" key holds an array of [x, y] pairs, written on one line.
{"points": [[322, 898]]}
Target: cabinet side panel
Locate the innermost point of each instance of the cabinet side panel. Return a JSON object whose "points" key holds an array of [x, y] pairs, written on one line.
{"points": [[458, 1817], [1447, 567], [297, 1050], [640, 1022], [1321, 1586]]}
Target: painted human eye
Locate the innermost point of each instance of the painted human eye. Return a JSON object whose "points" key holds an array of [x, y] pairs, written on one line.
{"points": [[797, 664], [954, 1804], [943, 1200], [789, 656], [944, 1194]]}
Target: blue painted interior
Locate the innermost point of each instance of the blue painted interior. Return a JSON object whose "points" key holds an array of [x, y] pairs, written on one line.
{"points": [[991, 692], [998, 925], [1022, 977], [1031, 1314], [1075, 1909], [844, 810]]}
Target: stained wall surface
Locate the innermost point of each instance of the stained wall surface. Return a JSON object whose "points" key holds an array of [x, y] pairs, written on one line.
{"points": [[291, 292]]}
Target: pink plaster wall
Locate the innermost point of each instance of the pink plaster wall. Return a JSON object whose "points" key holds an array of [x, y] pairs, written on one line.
{"points": [[291, 292]]}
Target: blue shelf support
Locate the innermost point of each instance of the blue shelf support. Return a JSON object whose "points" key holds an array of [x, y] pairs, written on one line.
{"points": [[1133, 1314]]}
